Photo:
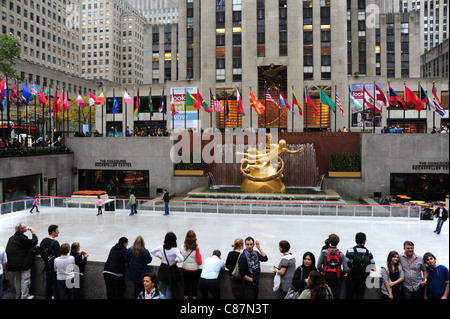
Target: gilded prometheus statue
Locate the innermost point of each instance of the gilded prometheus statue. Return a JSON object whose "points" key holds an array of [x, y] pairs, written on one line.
{"points": [[263, 169]]}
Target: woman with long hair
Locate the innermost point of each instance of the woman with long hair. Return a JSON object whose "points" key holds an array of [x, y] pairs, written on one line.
{"points": [[191, 264], [317, 287], [231, 263], [138, 258], [302, 272], [391, 276]]}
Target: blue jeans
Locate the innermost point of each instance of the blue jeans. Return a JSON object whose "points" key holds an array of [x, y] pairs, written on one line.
{"points": [[440, 222], [51, 285], [133, 209], [166, 208]]}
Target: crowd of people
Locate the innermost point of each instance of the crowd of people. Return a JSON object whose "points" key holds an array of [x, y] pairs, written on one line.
{"points": [[405, 275]]}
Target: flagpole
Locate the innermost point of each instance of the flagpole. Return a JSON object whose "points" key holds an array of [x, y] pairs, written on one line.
{"points": [[294, 112], [173, 116], [335, 110], [418, 113], [364, 107], [79, 118], [279, 115], [103, 115], [210, 105], [251, 120], [90, 108], [320, 114], [434, 113], [404, 112], [349, 109], [125, 111], [114, 114], [374, 106], [306, 110]]}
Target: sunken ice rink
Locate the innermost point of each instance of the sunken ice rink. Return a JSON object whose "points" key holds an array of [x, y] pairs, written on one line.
{"points": [[97, 234]]}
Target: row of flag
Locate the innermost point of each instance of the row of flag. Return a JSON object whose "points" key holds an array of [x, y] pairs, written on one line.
{"points": [[376, 101]]}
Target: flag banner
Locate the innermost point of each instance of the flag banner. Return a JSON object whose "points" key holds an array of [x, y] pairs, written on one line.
{"points": [[325, 99], [284, 103], [80, 101], [239, 103], [380, 98], [115, 105], [34, 92], [309, 101], [185, 107], [423, 96], [66, 103], [55, 104], [437, 103], [270, 99], [410, 96], [338, 102], [26, 94], [227, 106], [14, 96], [353, 101], [126, 98], [162, 105], [296, 102], [205, 105], [60, 102], [3, 90], [256, 104], [150, 101], [100, 100], [137, 105], [92, 99], [394, 98], [215, 103]]}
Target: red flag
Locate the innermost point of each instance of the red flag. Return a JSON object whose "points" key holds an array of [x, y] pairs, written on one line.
{"points": [[14, 95], [2, 89], [60, 101], [66, 103], [410, 96], [55, 103], [239, 101], [42, 97]]}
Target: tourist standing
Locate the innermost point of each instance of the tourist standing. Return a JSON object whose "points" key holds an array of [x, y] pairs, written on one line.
{"points": [[166, 202], [302, 272], [80, 262], [114, 269], [49, 248], [209, 279], [286, 267], [250, 267], [316, 288], [3, 262], [392, 276], [191, 264], [138, 258], [231, 263], [20, 259], [132, 203], [442, 214], [359, 258], [437, 283], [64, 268], [415, 272]]}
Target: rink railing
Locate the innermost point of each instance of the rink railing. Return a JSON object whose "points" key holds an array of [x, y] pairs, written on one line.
{"points": [[229, 207]]}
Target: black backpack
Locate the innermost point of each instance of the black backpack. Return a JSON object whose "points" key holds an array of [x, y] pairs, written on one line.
{"points": [[359, 264], [49, 256]]}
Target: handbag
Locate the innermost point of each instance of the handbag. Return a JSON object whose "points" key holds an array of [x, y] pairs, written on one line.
{"points": [[174, 273], [292, 294], [235, 272]]}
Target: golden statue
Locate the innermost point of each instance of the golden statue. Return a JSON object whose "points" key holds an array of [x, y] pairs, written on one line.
{"points": [[263, 170]]}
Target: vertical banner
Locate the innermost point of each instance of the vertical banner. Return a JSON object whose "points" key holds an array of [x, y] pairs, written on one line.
{"points": [[367, 101], [184, 112]]}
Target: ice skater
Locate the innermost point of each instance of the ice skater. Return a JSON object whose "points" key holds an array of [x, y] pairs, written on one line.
{"points": [[99, 203], [442, 214], [35, 204]]}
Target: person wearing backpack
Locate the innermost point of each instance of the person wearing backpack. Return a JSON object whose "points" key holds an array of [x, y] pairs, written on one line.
{"points": [[333, 264], [49, 249], [359, 258]]}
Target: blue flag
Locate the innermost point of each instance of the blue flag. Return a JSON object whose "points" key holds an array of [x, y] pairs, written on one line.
{"points": [[25, 94], [115, 106], [162, 105]]}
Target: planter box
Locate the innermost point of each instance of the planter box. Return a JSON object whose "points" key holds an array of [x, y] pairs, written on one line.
{"points": [[345, 174], [189, 172]]}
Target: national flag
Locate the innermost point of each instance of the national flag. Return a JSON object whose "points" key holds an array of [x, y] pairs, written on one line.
{"points": [[296, 102], [338, 102], [115, 105], [66, 103], [14, 96], [310, 101], [172, 105], [42, 97], [325, 99], [354, 101], [137, 105], [80, 101], [393, 98], [215, 103], [191, 101], [256, 104], [437, 103], [127, 98], [92, 99], [3, 89], [423, 96], [55, 104], [285, 103], [410, 96], [368, 99], [203, 102], [150, 101], [60, 102], [100, 100], [270, 99], [380, 98], [239, 103], [25, 94], [162, 105], [34, 90]]}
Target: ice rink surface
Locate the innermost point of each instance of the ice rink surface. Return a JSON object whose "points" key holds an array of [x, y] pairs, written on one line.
{"points": [[97, 234]]}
